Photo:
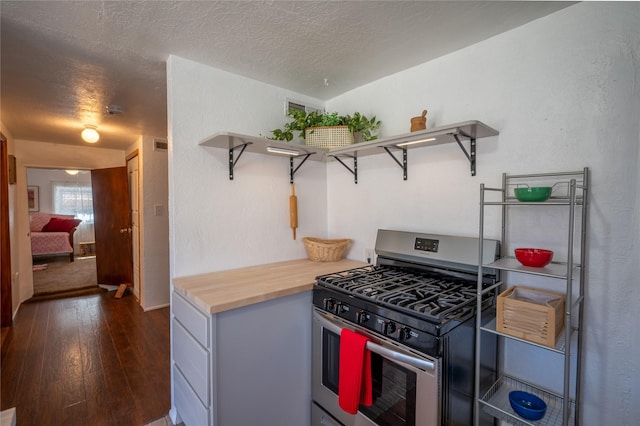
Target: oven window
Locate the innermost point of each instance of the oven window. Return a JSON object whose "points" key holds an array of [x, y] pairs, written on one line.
{"points": [[394, 387], [330, 360]]}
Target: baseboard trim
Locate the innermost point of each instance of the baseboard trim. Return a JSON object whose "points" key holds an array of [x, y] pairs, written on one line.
{"points": [[152, 308]]}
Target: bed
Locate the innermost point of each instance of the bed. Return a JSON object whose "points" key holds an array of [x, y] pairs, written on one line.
{"points": [[52, 234]]}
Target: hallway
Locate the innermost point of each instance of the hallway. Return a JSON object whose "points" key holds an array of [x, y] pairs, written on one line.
{"points": [[87, 360]]}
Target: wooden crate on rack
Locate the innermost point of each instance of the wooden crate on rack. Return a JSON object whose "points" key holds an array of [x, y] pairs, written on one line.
{"points": [[531, 314]]}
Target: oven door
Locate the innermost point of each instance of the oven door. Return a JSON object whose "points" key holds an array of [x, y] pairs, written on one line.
{"points": [[406, 384]]}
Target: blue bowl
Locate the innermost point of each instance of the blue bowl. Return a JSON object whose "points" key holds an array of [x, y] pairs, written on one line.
{"points": [[527, 405]]}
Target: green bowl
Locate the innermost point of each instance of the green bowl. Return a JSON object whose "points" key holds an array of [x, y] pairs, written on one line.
{"points": [[533, 194]]}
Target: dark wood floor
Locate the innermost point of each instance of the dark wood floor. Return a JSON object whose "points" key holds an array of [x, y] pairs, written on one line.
{"points": [[92, 360]]}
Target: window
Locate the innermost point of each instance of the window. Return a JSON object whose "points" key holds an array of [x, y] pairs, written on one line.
{"points": [[74, 198]]}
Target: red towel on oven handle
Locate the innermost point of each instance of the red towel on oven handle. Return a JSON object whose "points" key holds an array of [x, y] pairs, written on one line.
{"points": [[354, 382]]}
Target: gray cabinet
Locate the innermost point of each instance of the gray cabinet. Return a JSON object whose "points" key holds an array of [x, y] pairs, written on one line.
{"points": [[559, 224], [244, 366]]}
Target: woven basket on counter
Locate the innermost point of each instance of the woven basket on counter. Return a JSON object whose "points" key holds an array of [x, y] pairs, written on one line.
{"points": [[328, 137], [320, 250]]}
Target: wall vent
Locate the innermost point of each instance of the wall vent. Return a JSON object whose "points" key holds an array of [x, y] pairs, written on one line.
{"points": [[292, 104], [160, 145]]}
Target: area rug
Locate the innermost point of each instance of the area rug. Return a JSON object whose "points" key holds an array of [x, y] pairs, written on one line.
{"points": [[61, 275]]}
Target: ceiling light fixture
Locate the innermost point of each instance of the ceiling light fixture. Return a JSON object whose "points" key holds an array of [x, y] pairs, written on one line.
{"points": [[283, 151], [72, 172], [90, 134]]}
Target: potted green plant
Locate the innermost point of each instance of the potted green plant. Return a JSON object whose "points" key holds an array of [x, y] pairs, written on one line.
{"points": [[362, 127], [327, 130]]}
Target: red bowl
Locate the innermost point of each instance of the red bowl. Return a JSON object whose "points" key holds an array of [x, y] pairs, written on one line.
{"points": [[534, 257]]}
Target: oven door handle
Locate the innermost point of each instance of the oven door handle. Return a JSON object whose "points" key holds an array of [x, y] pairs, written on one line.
{"points": [[381, 350]]}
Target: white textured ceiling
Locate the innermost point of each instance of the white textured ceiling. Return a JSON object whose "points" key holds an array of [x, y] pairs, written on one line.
{"points": [[62, 62]]}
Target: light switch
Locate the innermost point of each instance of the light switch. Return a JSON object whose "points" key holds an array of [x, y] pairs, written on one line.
{"points": [[158, 210]]}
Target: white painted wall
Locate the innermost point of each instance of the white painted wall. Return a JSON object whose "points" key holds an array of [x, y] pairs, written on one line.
{"points": [[563, 92], [217, 223], [48, 155], [154, 191]]}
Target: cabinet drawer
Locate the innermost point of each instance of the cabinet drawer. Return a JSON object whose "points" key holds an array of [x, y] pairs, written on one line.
{"points": [[195, 321], [192, 360], [189, 407]]}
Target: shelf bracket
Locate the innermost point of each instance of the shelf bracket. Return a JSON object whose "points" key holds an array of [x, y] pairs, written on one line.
{"points": [[293, 171], [232, 163], [353, 171], [402, 165], [471, 155]]}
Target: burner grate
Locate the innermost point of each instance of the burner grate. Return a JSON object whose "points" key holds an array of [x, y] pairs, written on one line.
{"points": [[427, 294], [436, 298]]}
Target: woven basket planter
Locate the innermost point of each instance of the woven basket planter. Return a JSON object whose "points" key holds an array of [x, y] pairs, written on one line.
{"points": [[328, 137], [320, 250]]}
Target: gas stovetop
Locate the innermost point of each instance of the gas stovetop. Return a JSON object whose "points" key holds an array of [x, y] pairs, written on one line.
{"points": [[433, 297]]}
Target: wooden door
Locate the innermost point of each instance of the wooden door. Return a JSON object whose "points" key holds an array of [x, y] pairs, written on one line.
{"points": [[6, 308], [112, 223]]}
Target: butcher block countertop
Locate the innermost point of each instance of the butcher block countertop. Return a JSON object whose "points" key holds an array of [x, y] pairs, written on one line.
{"points": [[221, 291]]}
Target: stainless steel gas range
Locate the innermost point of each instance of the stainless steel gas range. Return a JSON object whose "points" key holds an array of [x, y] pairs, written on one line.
{"points": [[417, 308]]}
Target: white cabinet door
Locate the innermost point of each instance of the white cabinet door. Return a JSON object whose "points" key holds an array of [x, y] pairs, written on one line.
{"points": [[189, 407], [192, 360], [192, 319]]}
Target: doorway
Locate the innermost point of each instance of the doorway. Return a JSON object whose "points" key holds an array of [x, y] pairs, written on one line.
{"points": [[152, 192], [61, 193]]}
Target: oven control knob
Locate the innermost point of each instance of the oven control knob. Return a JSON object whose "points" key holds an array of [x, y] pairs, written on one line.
{"points": [[388, 327], [328, 304], [361, 317], [338, 308], [404, 333]]}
